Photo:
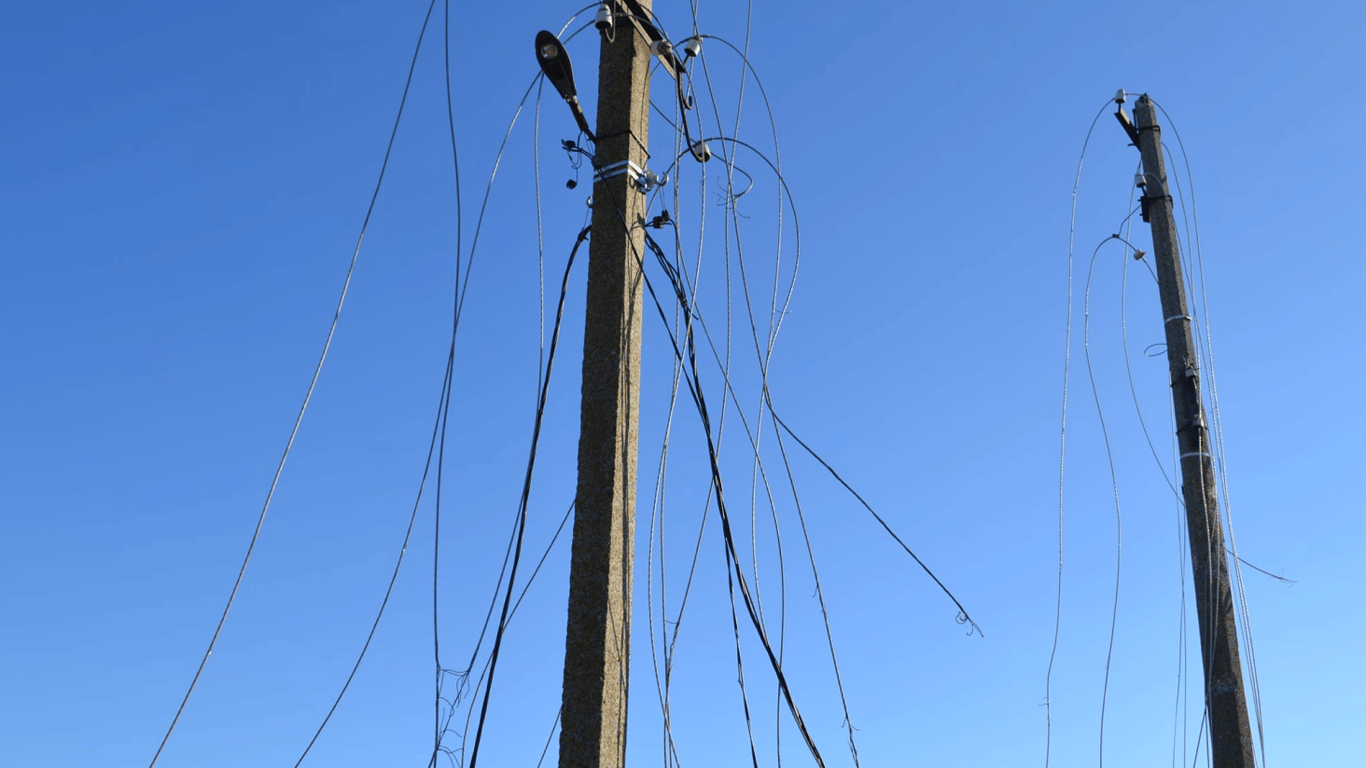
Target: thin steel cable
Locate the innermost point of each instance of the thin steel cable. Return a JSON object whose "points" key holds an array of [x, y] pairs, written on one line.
{"points": [[540, 236], [662, 667], [526, 494], [740, 662], [733, 229], [1127, 226], [1062, 439], [678, 123], [754, 444], [728, 285], [443, 410], [1222, 482], [308, 395], [1138, 411], [763, 475], [782, 181], [670, 649], [695, 390], [683, 301], [447, 386], [659, 658], [540, 563], [1199, 735], [526, 588], [462, 290], [764, 354], [713, 440], [388, 592], [775, 318], [777, 315], [551, 737], [502, 147], [728, 538], [728, 292], [1213, 549], [460, 294], [1181, 705], [680, 292], [723, 365], [681, 145], [820, 593], [963, 617], [660, 654], [1114, 484]]}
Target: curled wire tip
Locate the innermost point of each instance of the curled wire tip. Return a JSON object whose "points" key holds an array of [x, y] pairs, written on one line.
{"points": [[973, 629]]}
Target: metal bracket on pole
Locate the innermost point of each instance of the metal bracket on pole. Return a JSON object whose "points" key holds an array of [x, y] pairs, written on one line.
{"points": [[1128, 127], [642, 179], [640, 19], [1145, 201]]}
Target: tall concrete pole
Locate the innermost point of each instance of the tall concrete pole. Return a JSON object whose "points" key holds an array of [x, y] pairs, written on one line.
{"points": [[1230, 732], [597, 647]]}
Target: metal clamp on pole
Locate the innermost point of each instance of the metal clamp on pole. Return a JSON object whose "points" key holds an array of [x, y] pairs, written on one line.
{"points": [[643, 180]]}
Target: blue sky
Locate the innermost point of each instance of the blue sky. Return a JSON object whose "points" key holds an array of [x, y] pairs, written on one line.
{"points": [[184, 187]]}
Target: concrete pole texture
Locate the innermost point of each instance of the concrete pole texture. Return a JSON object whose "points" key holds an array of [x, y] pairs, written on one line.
{"points": [[597, 645], [1230, 731]]}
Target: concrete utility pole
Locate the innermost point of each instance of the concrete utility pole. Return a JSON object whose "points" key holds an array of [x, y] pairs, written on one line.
{"points": [[597, 647], [1230, 732]]}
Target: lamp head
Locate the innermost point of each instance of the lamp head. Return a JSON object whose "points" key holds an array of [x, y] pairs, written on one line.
{"points": [[554, 61]]}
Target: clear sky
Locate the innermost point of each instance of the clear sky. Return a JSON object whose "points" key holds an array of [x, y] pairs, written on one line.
{"points": [[183, 189]]}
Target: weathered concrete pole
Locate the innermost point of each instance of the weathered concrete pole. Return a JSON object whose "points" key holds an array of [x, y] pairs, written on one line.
{"points": [[597, 647], [1230, 732]]}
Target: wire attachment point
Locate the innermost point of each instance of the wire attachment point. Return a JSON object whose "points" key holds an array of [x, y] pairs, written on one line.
{"points": [[603, 20], [642, 179]]}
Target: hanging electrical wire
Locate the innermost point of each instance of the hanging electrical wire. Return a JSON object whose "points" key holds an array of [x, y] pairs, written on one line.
{"points": [[684, 290], [447, 382], [526, 495], [693, 380], [308, 395], [1114, 484], [1203, 360], [443, 703], [1201, 321], [765, 350], [1062, 439]]}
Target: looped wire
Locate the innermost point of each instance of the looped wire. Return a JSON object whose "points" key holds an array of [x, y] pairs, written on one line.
{"points": [[973, 629]]}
